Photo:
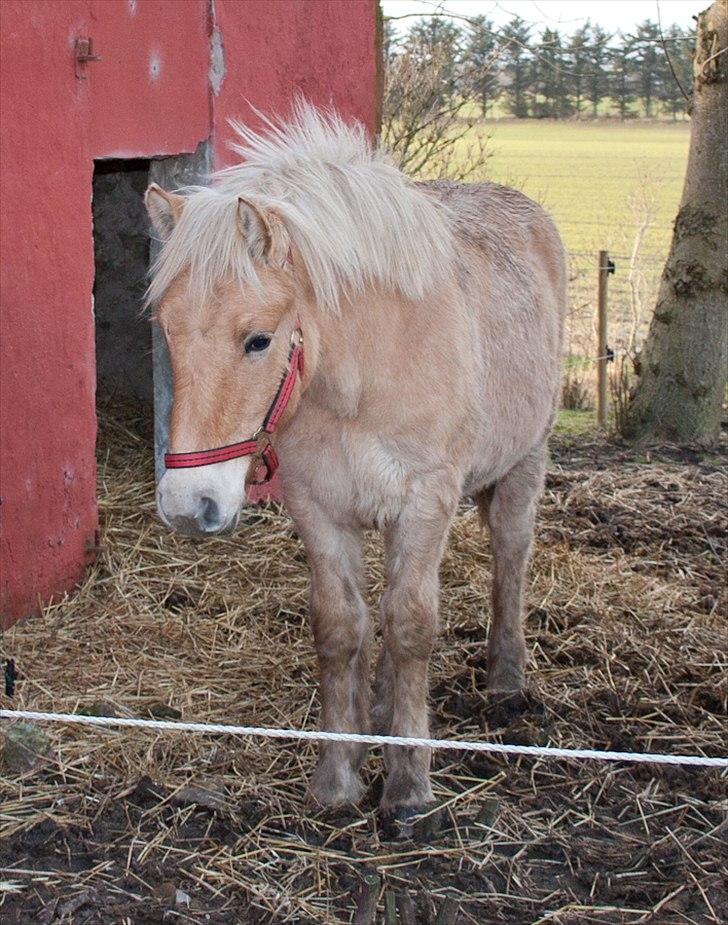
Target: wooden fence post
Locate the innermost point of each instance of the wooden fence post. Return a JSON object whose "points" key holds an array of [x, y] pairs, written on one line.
{"points": [[605, 268]]}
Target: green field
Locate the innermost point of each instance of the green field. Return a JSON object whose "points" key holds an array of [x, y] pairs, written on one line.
{"points": [[595, 178], [584, 173]]}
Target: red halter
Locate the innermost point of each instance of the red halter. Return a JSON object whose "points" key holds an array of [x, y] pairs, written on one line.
{"points": [[259, 445]]}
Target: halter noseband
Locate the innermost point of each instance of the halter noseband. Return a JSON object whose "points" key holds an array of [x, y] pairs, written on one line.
{"points": [[259, 445]]}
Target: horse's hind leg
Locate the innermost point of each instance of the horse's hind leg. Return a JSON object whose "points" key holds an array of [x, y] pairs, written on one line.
{"points": [[509, 507], [339, 620]]}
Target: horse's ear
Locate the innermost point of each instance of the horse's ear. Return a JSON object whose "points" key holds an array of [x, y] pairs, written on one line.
{"points": [[164, 209], [264, 233]]}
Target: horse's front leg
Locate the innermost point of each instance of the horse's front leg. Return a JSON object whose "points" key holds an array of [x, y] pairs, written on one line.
{"points": [[409, 607], [339, 620]]}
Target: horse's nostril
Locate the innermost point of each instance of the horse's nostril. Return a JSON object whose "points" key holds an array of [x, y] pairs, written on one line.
{"points": [[208, 517]]}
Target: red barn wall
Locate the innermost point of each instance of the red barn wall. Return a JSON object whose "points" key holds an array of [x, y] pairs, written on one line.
{"points": [[152, 93], [323, 49]]}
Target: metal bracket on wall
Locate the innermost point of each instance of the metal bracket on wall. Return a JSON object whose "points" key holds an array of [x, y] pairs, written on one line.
{"points": [[83, 54]]}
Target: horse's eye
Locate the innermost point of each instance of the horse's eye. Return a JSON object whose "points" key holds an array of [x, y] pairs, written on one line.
{"points": [[256, 343]]}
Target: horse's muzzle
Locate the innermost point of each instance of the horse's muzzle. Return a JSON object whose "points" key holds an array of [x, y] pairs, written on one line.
{"points": [[203, 502], [206, 521]]}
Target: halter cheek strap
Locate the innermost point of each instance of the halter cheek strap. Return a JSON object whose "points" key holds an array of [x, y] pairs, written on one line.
{"points": [[259, 446]]}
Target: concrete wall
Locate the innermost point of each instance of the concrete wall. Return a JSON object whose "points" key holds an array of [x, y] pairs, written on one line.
{"points": [[170, 74]]}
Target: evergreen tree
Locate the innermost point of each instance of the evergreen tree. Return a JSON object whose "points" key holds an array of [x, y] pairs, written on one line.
{"points": [[548, 68], [481, 58], [577, 66], [554, 77], [434, 42], [390, 41], [516, 61], [679, 46], [622, 74], [436, 30], [647, 60], [597, 84]]}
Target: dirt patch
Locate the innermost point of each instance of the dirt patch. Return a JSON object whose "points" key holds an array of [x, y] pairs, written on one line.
{"points": [[626, 629]]}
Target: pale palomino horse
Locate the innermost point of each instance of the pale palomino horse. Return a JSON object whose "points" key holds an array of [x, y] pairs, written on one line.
{"points": [[431, 321]]}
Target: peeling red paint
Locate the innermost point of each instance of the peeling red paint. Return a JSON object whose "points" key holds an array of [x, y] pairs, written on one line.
{"points": [[149, 94]]}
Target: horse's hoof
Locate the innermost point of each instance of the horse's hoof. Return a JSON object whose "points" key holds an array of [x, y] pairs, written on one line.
{"points": [[333, 790], [412, 823], [504, 706]]}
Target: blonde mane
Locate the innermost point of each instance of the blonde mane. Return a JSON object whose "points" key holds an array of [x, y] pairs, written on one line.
{"points": [[355, 219]]}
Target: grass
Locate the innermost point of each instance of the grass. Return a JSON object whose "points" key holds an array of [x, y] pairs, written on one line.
{"points": [[575, 423], [608, 107], [584, 173], [594, 178]]}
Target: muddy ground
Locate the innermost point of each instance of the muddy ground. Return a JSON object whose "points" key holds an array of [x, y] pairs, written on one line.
{"points": [[627, 632]]}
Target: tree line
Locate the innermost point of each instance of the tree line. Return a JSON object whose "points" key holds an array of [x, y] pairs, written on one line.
{"points": [[647, 72]]}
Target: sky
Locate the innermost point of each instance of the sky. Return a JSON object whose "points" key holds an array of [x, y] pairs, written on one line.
{"points": [[564, 15]]}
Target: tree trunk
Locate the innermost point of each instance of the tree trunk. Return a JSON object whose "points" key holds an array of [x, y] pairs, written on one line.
{"points": [[684, 363]]}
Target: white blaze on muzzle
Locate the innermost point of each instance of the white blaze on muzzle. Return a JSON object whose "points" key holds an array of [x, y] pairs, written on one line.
{"points": [[203, 500]]}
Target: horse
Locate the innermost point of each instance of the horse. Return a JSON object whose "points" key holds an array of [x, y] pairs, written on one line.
{"points": [[391, 347]]}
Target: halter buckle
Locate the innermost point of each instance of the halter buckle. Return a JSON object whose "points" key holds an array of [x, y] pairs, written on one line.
{"points": [[264, 462], [262, 440]]}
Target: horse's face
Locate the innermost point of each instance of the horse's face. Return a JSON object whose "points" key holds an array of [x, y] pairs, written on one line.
{"points": [[228, 353]]}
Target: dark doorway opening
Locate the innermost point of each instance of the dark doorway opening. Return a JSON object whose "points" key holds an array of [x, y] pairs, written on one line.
{"points": [[121, 254], [133, 374]]}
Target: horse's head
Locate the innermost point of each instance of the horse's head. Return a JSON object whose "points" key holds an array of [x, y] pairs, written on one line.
{"points": [[229, 342]]}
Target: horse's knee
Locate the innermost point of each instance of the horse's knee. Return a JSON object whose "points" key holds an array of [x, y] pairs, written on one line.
{"points": [[339, 621], [410, 623]]}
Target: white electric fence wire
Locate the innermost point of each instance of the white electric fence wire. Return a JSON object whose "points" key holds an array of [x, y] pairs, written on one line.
{"points": [[532, 751]]}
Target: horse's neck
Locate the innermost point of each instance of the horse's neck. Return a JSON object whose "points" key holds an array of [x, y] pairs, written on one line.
{"points": [[344, 345], [367, 353]]}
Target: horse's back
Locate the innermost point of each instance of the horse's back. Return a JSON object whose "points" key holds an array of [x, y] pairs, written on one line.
{"points": [[511, 233]]}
